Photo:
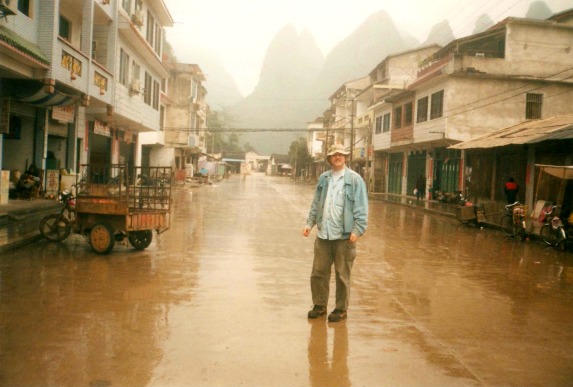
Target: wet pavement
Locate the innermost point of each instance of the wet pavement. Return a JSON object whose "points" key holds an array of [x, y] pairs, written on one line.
{"points": [[221, 300]]}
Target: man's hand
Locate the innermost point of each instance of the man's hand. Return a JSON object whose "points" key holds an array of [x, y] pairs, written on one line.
{"points": [[353, 238], [306, 231]]}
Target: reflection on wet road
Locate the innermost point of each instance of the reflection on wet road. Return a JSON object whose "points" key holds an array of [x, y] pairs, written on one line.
{"points": [[221, 299]]}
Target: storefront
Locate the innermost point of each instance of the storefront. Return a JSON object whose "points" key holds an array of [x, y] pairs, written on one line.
{"points": [[395, 173], [99, 143]]}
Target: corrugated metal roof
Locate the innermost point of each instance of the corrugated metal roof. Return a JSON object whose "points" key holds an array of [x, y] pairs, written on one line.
{"points": [[528, 132], [560, 171]]}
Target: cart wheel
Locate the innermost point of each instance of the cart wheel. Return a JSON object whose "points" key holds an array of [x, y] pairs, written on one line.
{"points": [[140, 239], [101, 238]]}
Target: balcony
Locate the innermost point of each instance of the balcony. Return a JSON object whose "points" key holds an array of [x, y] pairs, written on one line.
{"points": [[72, 69], [130, 32]]}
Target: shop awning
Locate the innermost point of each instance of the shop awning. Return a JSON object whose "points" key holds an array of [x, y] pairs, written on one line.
{"points": [[41, 98], [562, 172], [34, 93], [528, 132]]}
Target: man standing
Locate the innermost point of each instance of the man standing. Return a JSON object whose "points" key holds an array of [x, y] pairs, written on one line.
{"points": [[340, 211], [511, 189]]}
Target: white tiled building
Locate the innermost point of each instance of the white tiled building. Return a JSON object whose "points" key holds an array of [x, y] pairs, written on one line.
{"points": [[80, 80]]}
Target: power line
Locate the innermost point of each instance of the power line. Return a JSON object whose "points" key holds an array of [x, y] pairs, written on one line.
{"points": [[253, 130], [517, 88]]}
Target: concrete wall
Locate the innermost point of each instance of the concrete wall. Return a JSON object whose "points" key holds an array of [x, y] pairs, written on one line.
{"points": [[382, 140]]}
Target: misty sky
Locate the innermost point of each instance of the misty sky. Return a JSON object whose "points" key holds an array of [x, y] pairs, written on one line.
{"points": [[239, 31]]}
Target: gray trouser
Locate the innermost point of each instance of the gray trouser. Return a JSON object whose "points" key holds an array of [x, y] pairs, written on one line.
{"points": [[341, 253]]}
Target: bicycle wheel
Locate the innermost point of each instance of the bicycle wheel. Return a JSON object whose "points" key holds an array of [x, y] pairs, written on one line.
{"points": [[548, 235], [55, 227], [507, 226]]}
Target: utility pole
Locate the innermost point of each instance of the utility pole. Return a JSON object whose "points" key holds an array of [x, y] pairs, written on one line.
{"points": [[352, 100]]}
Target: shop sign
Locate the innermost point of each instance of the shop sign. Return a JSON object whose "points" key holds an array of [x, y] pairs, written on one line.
{"points": [[101, 82], [64, 113], [72, 64], [52, 181], [102, 128], [4, 186]]}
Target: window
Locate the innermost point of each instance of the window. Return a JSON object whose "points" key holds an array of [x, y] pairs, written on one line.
{"points": [[422, 114], [386, 123], [408, 114], [156, 95], [533, 104], [194, 88], [123, 67], [158, 39], [24, 7], [147, 91], [126, 4], [378, 125], [135, 70], [437, 105], [65, 28], [398, 117], [150, 29]]}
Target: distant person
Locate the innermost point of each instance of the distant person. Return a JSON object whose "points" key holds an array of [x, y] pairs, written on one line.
{"points": [[245, 170], [30, 178], [511, 188], [340, 212], [420, 187]]}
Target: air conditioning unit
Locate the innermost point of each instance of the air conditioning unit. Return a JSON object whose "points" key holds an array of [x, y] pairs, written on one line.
{"points": [[9, 7], [137, 17], [135, 87]]}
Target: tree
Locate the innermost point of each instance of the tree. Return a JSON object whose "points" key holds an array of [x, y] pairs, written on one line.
{"points": [[300, 159], [218, 139]]}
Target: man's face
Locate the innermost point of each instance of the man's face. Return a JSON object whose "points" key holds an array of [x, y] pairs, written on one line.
{"points": [[337, 161]]}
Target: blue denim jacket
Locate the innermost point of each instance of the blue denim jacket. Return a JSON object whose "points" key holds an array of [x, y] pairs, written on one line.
{"points": [[355, 203]]}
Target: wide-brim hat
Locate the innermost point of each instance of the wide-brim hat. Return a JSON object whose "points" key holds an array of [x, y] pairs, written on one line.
{"points": [[336, 148]]}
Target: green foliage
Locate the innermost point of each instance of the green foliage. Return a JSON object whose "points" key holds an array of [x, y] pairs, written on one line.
{"points": [[300, 159], [218, 139]]}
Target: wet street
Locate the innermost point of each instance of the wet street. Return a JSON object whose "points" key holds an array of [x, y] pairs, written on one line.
{"points": [[221, 300]]}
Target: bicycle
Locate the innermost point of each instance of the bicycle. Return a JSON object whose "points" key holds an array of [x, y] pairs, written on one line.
{"points": [[513, 222], [553, 231], [57, 227]]}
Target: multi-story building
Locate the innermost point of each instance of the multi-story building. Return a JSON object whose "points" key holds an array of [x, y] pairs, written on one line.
{"points": [[80, 80], [339, 119], [184, 121], [389, 82], [518, 70]]}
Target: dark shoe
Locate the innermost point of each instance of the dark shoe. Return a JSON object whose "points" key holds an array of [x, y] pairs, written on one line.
{"points": [[317, 311], [337, 315]]}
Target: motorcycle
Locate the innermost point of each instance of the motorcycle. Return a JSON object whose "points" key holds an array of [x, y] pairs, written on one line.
{"points": [[57, 227]]}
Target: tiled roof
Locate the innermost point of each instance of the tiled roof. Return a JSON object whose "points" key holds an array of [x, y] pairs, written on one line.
{"points": [[24, 46]]}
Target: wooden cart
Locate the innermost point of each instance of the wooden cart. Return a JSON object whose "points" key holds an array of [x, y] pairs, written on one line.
{"points": [[113, 204]]}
